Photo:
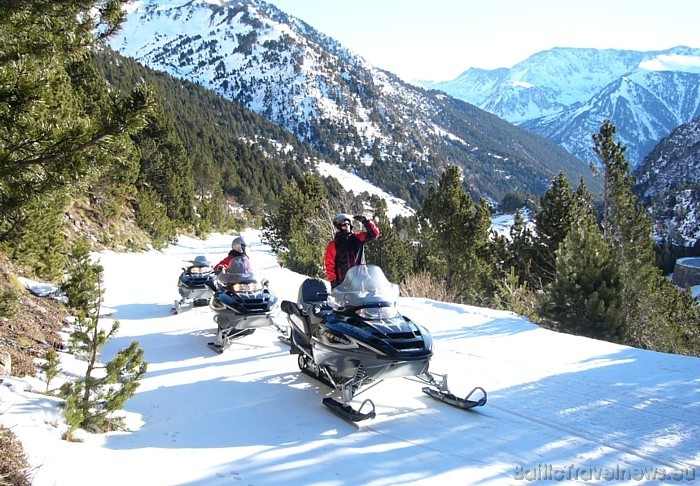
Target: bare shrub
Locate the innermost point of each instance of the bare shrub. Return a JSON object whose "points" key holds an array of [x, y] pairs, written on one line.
{"points": [[14, 467], [517, 297], [423, 285]]}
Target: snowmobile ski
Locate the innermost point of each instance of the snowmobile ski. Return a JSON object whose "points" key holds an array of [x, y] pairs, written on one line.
{"points": [[451, 399], [234, 334], [347, 412], [216, 347]]}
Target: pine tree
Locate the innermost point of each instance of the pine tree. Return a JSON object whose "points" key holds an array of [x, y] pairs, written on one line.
{"points": [[521, 252], [151, 216], [390, 252], [51, 366], [552, 222], [165, 167], [297, 230], [649, 303], [455, 236], [54, 140], [582, 206], [92, 401], [586, 290]]}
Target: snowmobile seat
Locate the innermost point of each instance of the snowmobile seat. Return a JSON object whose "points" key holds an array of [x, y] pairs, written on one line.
{"points": [[313, 291]]}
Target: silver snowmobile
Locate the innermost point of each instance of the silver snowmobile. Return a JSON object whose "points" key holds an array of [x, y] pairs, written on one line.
{"points": [[193, 284], [355, 336], [241, 304]]}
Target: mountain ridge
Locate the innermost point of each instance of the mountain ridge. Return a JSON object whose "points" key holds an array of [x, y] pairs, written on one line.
{"points": [[563, 93], [366, 120]]}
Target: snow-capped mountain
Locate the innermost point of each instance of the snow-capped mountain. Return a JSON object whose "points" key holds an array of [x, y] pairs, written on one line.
{"points": [[565, 94], [668, 182], [365, 119]]}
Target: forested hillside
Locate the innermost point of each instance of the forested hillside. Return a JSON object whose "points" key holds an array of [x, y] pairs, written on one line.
{"points": [[230, 146]]}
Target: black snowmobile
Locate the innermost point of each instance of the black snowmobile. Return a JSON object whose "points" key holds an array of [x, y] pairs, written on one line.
{"points": [[194, 284], [355, 336], [241, 304]]}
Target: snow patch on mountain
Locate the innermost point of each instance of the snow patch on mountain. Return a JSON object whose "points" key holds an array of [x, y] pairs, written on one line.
{"points": [[672, 62], [395, 206]]}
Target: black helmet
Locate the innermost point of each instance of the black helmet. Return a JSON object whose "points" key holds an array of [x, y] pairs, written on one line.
{"points": [[239, 245], [340, 219]]}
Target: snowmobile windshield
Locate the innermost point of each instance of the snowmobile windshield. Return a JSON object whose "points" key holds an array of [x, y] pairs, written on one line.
{"points": [[364, 285], [239, 271]]}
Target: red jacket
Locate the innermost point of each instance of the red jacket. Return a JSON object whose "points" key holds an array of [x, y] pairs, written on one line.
{"points": [[345, 251], [224, 264]]}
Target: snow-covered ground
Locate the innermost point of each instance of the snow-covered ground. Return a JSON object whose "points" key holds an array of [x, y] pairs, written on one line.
{"points": [[560, 407]]}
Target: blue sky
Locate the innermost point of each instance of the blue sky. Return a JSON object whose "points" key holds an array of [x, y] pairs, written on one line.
{"points": [[437, 40]]}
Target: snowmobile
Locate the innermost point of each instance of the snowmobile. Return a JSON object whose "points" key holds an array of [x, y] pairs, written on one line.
{"points": [[354, 337], [241, 304], [193, 284]]}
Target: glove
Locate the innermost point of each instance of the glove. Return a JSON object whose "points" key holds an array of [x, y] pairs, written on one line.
{"points": [[360, 218]]}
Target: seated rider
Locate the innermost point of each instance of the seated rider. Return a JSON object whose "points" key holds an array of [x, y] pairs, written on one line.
{"points": [[238, 247]]}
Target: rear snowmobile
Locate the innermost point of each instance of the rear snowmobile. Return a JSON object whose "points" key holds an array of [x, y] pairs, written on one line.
{"points": [[193, 284], [241, 304], [354, 337]]}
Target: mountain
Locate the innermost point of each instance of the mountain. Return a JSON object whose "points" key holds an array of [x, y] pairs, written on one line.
{"points": [[366, 120], [668, 182], [559, 406], [564, 94]]}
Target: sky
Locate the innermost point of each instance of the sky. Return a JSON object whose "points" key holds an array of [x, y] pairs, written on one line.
{"points": [[559, 406], [438, 40]]}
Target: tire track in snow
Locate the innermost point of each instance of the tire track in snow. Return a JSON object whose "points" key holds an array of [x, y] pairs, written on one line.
{"points": [[655, 459]]}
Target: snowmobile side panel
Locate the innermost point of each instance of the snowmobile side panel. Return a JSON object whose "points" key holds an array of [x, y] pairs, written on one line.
{"points": [[344, 362], [242, 321]]}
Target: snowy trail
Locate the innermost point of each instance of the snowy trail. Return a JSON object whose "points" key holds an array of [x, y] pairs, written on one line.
{"points": [[249, 416], [570, 403]]}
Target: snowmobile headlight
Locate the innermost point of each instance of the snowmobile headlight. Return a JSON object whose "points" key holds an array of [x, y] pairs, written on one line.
{"points": [[376, 313], [200, 270], [244, 287]]}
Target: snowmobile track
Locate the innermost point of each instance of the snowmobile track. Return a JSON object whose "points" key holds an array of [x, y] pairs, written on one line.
{"points": [[657, 460]]}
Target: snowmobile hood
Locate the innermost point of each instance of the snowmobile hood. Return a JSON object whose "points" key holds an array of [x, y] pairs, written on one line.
{"points": [[396, 338]]}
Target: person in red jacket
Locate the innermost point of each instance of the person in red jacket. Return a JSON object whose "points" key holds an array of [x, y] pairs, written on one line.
{"points": [[238, 246], [347, 248]]}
